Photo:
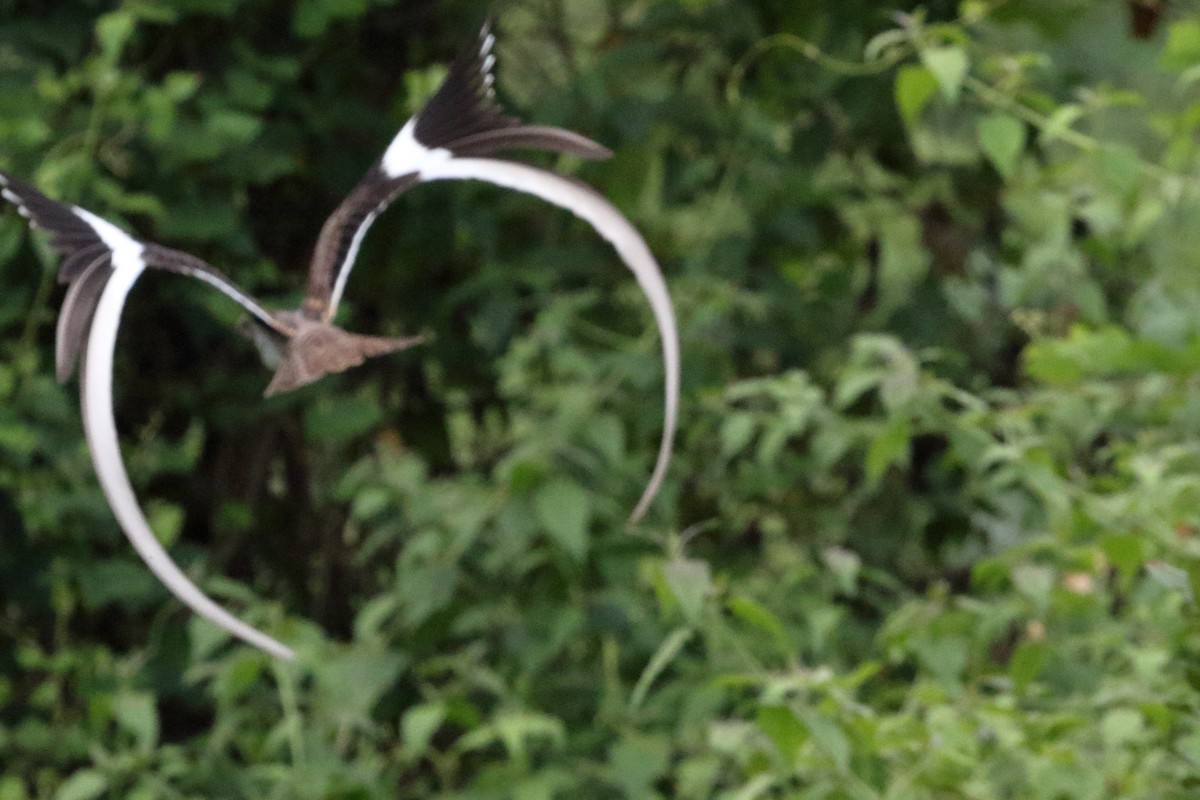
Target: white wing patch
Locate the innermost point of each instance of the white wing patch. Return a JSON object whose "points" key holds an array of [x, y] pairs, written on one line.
{"points": [[406, 155], [126, 251]]}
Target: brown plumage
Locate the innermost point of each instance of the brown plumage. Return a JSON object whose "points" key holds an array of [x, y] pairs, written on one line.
{"points": [[317, 348]]}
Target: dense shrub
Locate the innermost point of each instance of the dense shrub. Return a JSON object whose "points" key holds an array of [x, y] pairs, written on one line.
{"points": [[932, 528]]}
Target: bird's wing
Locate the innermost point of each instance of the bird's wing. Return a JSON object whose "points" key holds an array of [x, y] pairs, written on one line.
{"points": [[102, 263], [90, 248], [462, 119], [587, 204], [341, 235], [444, 141]]}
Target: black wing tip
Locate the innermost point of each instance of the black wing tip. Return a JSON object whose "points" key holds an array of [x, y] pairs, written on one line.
{"points": [[465, 104], [464, 117], [72, 235], [12, 190], [17, 191]]}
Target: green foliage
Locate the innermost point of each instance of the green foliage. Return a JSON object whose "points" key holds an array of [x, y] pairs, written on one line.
{"points": [[932, 527]]}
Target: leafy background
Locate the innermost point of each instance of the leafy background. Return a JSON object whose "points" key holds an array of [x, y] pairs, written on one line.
{"points": [[931, 530]]}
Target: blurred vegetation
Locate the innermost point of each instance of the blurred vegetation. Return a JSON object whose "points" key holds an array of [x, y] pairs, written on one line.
{"points": [[933, 526]]}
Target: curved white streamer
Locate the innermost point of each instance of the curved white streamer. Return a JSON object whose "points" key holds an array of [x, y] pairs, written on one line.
{"points": [[101, 430], [591, 207]]}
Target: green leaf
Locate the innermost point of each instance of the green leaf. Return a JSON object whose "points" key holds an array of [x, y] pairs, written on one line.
{"points": [[353, 681], [915, 87], [12, 788], [636, 762], [754, 613], [845, 566], [1125, 551], [113, 31], [420, 723], [830, 737], [888, 447], [199, 221], [83, 785], [564, 510], [1182, 49], [119, 581], [784, 730], [1002, 137], [690, 582], [311, 18], [945, 657], [586, 21], [166, 520], [517, 730], [1060, 122], [233, 128], [341, 418], [215, 8], [697, 776], [881, 43], [422, 84], [426, 588], [737, 430], [949, 67], [238, 674], [1121, 726], [1120, 167], [607, 435], [1027, 663], [136, 713], [1170, 577], [1035, 581], [662, 658], [903, 266]]}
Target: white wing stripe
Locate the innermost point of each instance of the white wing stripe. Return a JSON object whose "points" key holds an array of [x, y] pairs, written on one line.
{"points": [[406, 155], [347, 264], [127, 251], [231, 292], [614, 227], [101, 430]]}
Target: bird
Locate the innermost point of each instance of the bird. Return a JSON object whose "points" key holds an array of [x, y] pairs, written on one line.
{"points": [[451, 138]]}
